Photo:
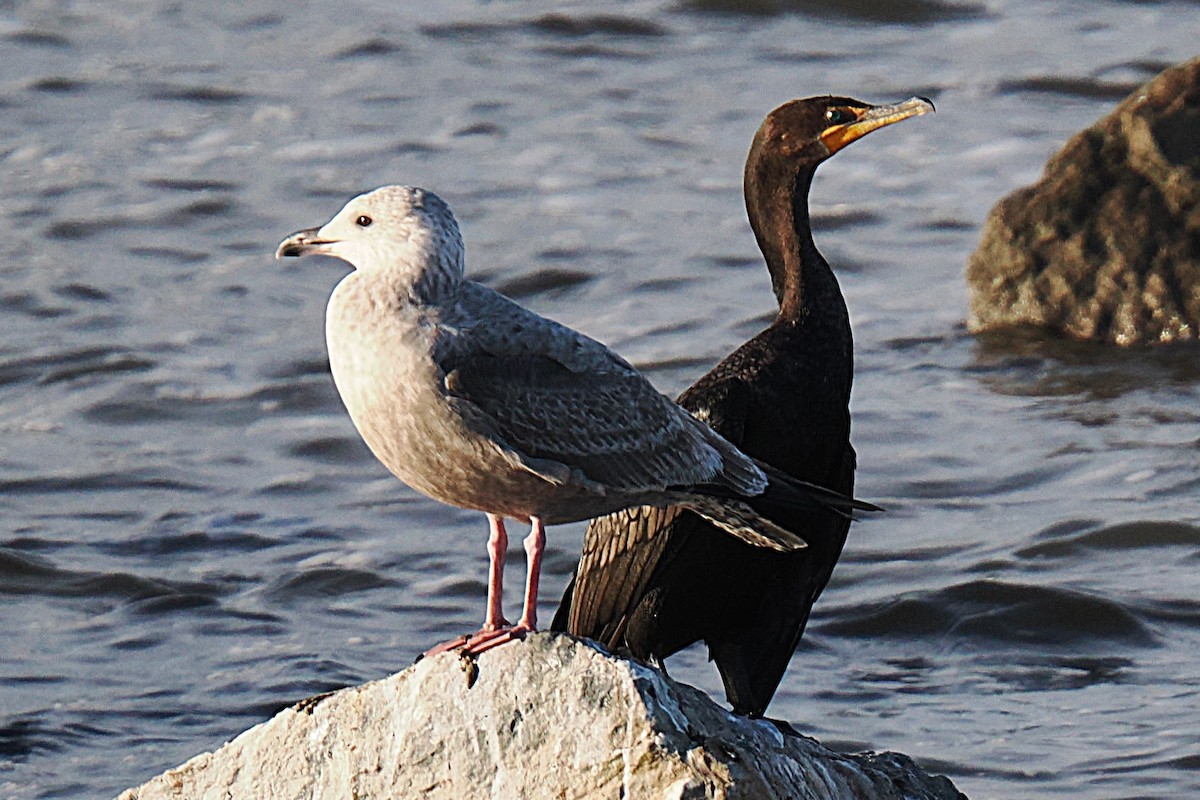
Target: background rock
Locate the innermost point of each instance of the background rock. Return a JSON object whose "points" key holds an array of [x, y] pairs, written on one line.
{"points": [[1107, 245], [551, 718]]}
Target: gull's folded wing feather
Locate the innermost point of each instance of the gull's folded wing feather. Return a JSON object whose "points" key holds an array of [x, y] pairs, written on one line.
{"points": [[614, 428], [554, 394]]}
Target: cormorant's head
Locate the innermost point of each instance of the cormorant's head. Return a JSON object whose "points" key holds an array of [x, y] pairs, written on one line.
{"points": [[809, 131], [791, 142]]}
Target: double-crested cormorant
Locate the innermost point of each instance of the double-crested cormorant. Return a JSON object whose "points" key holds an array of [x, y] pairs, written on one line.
{"points": [[477, 402], [652, 581]]}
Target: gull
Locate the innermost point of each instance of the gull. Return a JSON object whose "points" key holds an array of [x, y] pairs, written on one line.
{"points": [[480, 403]]}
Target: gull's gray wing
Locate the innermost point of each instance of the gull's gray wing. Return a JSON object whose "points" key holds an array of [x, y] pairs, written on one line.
{"points": [[612, 427], [484, 322], [551, 394]]}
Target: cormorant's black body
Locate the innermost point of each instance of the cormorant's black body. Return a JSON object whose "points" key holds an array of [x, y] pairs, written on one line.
{"points": [[653, 581]]}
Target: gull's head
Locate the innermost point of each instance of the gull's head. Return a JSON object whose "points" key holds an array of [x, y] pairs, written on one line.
{"points": [[397, 229]]}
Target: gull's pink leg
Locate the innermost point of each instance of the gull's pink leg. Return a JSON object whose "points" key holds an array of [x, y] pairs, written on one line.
{"points": [[535, 544], [497, 548], [497, 551]]}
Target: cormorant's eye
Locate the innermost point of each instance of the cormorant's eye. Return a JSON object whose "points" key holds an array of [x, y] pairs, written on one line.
{"points": [[838, 116], [363, 221]]}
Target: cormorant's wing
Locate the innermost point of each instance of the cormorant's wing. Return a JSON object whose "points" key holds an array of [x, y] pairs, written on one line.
{"points": [[753, 658]]}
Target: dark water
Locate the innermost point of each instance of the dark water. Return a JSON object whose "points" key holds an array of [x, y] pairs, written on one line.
{"points": [[194, 536]]}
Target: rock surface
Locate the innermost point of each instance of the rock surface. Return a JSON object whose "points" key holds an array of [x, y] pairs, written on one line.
{"points": [[1107, 245], [553, 717]]}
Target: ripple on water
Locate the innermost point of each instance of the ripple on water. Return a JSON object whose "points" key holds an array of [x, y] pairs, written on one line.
{"points": [[172, 603], [81, 228], [1058, 542], [160, 254], [596, 24], [553, 24], [121, 481], [306, 484], [480, 129], [58, 84], [913, 12], [22, 574], [29, 304], [998, 613], [67, 365], [978, 486], [164, 544], [598, 254], [368, 48], [1043, 673], [176, 184], [839, 217], [204, 95], [153, 402], [25, 736], [39, 38], [542, 281], [1088, 88], [202, 209], [332, 450], [83, 291], [325, 582], [303, 368], [111, 364]]}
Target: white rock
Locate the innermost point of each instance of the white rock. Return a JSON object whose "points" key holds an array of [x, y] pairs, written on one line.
{"points": [[552, 717]]}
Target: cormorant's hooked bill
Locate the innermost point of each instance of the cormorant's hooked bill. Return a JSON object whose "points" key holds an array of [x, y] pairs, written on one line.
{"points": [[862, 120]]}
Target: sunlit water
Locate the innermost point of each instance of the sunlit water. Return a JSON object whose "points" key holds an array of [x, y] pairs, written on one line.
{"points": [[193, 535]]}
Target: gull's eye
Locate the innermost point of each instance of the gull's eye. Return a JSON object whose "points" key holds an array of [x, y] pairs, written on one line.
{"points": [[363, 221], [838, 116]]}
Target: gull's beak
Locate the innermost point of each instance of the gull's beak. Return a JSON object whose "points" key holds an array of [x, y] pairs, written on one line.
{"points": [[302, 243], [874, 118]]}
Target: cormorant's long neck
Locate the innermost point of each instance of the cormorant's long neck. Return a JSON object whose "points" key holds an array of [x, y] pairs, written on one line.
{"points": [[778, 210]]}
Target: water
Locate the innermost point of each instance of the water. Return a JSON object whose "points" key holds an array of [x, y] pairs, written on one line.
{"points": [[194, 536]]}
